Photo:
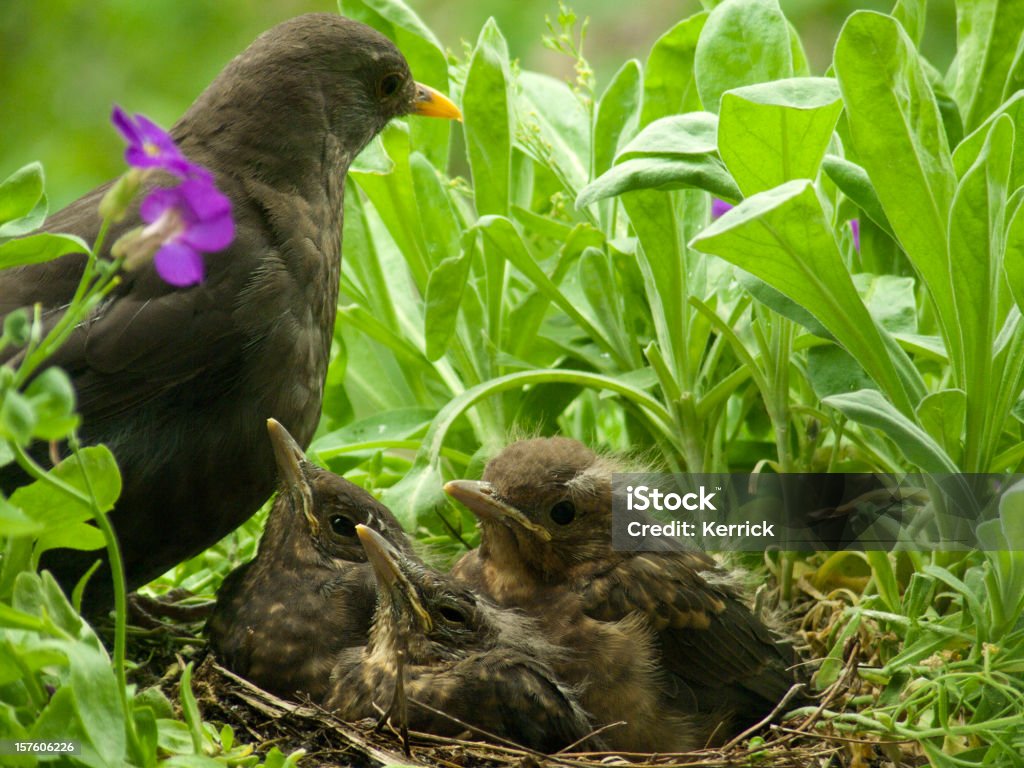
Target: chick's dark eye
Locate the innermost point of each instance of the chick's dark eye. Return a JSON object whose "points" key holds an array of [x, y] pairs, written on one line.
{"points": [[453, 615], [342, 526], [563, 513], [390, 84]]}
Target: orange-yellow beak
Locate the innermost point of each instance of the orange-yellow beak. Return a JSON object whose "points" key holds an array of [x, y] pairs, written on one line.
{"points": [[431, 103]]}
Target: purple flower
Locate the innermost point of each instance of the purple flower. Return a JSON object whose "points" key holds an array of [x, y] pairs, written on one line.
{"points": [[188, 220], [150, 146], [855, 229], [718, 207]]}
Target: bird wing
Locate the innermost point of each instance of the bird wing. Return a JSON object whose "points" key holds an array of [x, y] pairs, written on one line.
{"points": [[147, 337], [717, 652], [519, 698]]}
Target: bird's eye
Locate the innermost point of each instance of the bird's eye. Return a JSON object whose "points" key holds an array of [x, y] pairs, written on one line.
{"points": [[563, 512], [453, 615], [343, 526], [390, 84]]}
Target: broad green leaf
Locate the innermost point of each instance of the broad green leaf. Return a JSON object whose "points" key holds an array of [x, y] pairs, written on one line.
{"points": [[488, 121], [1013, 258], [743, 42], [782, 237], [898, 137], [426, 59], [52, 507], [21, 192], [38, 248], [705, 172], [891, 301], [556, 137], [394, 200], [444, 295], [439, 224], [832, 371], [395, 424], [695, 133], [911, 14], [853, 182], [967, 153], [14, 522], [870, 408], [669, 85], [501, 236], [53, 400], [988, 36], [617, 116], [771, 133], [942, 416], [70, 535], [975, 262]]}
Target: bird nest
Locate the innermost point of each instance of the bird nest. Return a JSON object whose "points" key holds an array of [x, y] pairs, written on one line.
{"points": [[267, 721]]}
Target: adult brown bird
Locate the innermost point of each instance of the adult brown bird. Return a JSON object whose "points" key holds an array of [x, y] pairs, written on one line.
{"points": [[179, 382], [464, 658], [545, 513], [282, 618]]}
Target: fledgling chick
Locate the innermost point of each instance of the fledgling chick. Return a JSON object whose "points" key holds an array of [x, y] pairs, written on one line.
{"points": [[463, 658], [545, 513], [281, 619]]}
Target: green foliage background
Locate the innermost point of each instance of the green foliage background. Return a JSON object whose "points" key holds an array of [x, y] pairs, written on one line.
{"points": [[63, 63], [555, 267]]}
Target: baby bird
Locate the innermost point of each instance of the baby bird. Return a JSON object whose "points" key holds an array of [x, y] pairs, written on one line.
{"points": [[545, 513], [452, 654], [281, 619]]}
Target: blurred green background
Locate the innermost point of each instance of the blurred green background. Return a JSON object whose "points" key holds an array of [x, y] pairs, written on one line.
{"points": [[63, 63]]}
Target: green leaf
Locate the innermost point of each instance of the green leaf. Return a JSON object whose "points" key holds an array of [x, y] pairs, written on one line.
{"points": [[426, 59], [988, 37], [897, 135], [21, 192], [35, 249], [53, 400], [616, 118], [967, 152], [831, 371], [891, 301], [678, 136], [975, 262], [440, 227], [853, 182], [560, 137], [697, 172], [669, 85], [14, 522], [17, 417], [782, 237], [743, 42], [444, 295], [911, 14], [942, 416], [54, 508], [775, 132], [488, 121], [1013, 256], [870, 408]]}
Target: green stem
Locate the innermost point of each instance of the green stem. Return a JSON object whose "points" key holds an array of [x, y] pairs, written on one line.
{"points": [[116, 570]]}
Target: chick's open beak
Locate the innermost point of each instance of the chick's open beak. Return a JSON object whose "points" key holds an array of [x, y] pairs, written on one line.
{"points": [[431, 103]]}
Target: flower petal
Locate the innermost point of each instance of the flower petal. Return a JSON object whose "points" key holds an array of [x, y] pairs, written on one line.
{"points": [[210, 235], [179, 265], [157, 202]]}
